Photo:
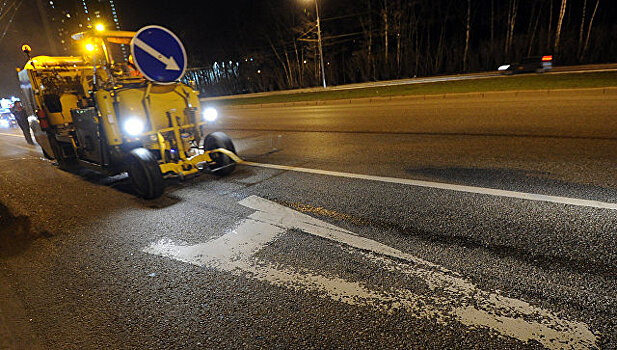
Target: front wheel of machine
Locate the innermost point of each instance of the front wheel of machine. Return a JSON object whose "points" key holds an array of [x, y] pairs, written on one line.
{"points": [[145, 174], [222, 165]]}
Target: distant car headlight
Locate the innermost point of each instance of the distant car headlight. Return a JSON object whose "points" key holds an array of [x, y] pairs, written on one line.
{"points": [[134, 126], [210, 114], [4, 123], [504, 67]]}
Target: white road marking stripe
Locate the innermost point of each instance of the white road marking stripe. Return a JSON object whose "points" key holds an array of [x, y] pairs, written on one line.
{"points": [[451, 297], [446, 186], [21, 158], [14, 135]]}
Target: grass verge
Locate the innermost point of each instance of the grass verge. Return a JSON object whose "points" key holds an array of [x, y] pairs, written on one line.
{"points": [[498, 83]]}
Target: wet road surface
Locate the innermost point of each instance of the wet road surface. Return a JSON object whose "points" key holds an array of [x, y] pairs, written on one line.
{"points": [[354, 253]]}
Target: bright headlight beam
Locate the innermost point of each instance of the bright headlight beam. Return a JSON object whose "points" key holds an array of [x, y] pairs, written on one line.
{"points": [[210, 114], [133, 126], [504, 67]]}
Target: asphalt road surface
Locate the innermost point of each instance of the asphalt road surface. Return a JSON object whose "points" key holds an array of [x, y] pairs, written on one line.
{"points": [[469, 229]]}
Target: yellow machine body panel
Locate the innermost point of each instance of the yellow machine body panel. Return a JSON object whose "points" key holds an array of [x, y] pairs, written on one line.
{"points": [[68, 101], [68, 78], [105, 103], [99, 111], [153, 104]]}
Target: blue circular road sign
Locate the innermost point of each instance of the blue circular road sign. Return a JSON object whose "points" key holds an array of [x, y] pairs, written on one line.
{"points": [[159, 54]]}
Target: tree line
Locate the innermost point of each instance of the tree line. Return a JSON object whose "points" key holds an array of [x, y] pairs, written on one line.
{"points": [[369, 40]]}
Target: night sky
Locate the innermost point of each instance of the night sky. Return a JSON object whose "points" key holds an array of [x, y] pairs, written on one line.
{"points": [[207, 26]]}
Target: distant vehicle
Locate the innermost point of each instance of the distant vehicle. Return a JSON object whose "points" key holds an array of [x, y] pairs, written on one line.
{"points": [[538, 64], [7, 120]]}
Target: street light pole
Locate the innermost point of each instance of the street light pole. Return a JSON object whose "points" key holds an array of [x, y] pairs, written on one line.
{"points": [[323, 70]]}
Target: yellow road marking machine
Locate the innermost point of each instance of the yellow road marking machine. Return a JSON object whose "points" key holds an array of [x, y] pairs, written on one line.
{"points": [[101, 112]]}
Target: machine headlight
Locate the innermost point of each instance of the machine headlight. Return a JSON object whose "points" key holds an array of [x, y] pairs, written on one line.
{"points": [[504, 67], [4, 123], [134, 126], [210, 114]]}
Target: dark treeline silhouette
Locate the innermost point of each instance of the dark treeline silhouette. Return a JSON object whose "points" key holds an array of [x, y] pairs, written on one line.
{"points": [[368, 40]]}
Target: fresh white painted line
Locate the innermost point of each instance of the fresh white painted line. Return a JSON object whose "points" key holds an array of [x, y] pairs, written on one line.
{"points": [[20, 158], [14, 135], [451, 297], [446, 186]]}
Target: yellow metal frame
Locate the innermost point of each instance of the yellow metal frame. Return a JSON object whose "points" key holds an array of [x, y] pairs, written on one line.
{"points": [[185, 165], [115, 100], [188, 166]]}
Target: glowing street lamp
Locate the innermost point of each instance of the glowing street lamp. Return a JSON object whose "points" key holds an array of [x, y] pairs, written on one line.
{"points": [[323, 71]]}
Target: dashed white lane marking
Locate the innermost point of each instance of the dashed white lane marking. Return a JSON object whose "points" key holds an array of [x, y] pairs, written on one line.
{"points": [[450, 298], [446, 186]]}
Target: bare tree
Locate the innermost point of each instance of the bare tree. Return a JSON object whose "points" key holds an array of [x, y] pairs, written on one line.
{"points": [[535, 29], [580, 33], [371, 59], [550, 25], [512, 10], [589, 31], [391, 39], [562, 13], [384, 14], [492, 22], [467, 33]]}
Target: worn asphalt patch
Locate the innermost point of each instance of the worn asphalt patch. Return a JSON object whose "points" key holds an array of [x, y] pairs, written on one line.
{"points": [[16, 233]]}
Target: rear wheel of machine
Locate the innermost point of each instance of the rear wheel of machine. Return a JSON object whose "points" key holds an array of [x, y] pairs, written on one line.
{"points": [[145, 174], [221, 164], [63, 154]]}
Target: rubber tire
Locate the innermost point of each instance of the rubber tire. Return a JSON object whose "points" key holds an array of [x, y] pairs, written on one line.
{"points": [[66, 164], [220, 140], [145, 174]]}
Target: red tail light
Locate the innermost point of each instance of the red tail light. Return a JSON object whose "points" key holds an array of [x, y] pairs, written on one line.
{"points": [[547, 58], [43, 121]]}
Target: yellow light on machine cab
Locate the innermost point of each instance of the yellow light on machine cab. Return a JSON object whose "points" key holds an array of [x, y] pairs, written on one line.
{"points": [[26, 48], [100, 27], [89, 47]]}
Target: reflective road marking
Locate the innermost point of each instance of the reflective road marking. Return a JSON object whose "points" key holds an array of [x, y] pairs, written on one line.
{"points": [[446, 186], [14, 135], [451, 297]]}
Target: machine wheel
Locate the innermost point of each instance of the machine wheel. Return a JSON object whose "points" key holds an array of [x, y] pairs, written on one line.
{"points": [[145, 174], [59, 149], [222, 165]]}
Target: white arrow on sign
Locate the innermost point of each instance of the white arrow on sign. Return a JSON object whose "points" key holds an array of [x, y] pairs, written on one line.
{"points": [[452, 297], [169, 62]]}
